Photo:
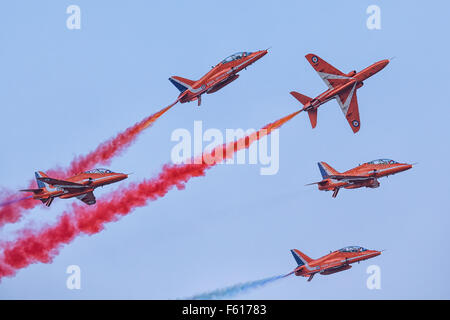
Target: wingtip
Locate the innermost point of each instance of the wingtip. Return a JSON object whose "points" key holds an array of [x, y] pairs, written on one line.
{"points": [[356, 129]]}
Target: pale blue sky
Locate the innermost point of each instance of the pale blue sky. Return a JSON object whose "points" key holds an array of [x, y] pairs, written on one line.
{"points": [[64, 91]]}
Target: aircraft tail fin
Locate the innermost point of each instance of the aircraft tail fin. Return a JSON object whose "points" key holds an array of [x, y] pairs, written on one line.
{"points": [[41, 185], [181, 84], [313, 117], [300, 97], [40, 174], [326, 170], [305, 100], [300, 257]]}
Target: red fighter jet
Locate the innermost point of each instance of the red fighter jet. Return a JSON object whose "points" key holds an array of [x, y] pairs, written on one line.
{"points": [[80, 186], [341, 86], [218, 77], [333, 262], [364, 175]]}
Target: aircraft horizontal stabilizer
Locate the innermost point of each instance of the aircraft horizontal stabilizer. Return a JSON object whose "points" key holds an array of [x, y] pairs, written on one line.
{"points": [[35, 191], [313, 183], [300, 97]]}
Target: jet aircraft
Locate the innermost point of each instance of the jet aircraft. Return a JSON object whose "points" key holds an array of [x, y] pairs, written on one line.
{"points": [[80, 186], [333, 262], [218, 77], [341, 86], [364, 175]]}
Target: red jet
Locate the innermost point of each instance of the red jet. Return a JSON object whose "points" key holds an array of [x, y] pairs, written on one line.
{"points": [[218, 77], [364, 175], [81, 186], [341, 87], [333, 262]]}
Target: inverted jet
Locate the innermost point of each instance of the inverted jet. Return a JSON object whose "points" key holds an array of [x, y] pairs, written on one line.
{"points": [[341, 86]]}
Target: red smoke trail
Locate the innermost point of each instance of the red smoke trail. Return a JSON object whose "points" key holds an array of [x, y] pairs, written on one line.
{"points": [[14, 207], [103, 155], [42, 246]]}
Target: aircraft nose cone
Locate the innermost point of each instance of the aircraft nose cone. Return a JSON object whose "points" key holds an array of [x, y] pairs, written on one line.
{"points": [[121, 176], [262, 53], [406, 166], [374, 253], [384, 63]]}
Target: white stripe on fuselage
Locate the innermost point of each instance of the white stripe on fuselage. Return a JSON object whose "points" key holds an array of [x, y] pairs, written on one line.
{"points": [[96, 179], [76, 186]]}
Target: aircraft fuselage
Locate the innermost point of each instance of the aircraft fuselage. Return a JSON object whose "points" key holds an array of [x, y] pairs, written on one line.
{"points": [[355, 81]]}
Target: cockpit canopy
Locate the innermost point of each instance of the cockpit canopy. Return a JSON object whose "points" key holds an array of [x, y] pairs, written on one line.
{"points": [[382, 161], [353, 249], [99, 170], [236, 56]]}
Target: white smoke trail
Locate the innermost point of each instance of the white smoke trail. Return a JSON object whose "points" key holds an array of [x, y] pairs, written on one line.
{"points": [[236, 289]]}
